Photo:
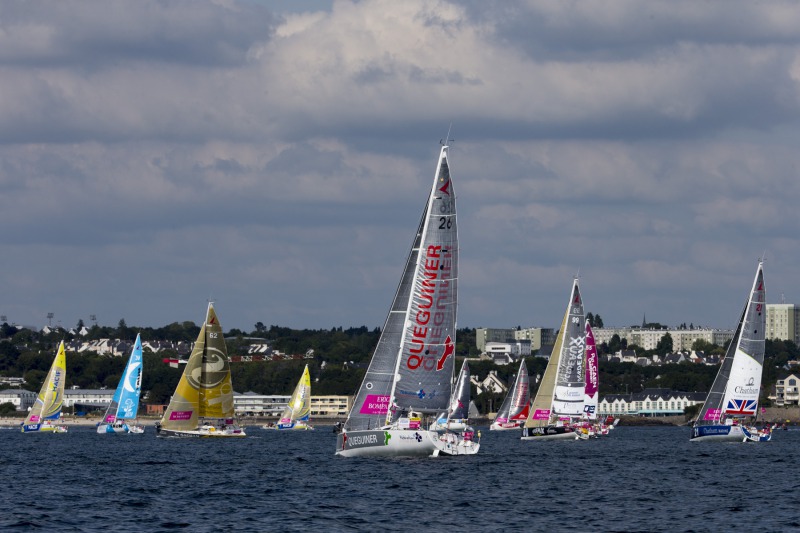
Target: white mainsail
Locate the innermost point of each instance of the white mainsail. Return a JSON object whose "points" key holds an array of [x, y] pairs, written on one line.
{"points": [[561, 391], [735, 391], [411, 370]]}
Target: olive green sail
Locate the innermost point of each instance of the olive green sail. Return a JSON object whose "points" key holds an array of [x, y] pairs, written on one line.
{"points": [[202, 405]]}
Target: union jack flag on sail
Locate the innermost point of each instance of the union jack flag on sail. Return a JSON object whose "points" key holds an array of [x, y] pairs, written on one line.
{"points": [[741, 407]]}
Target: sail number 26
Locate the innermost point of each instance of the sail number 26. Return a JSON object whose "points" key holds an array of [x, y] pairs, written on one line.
{"points": [[445, 222]]}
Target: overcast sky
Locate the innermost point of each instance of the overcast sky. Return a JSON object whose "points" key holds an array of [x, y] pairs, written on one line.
{"points": [[155, 155]]}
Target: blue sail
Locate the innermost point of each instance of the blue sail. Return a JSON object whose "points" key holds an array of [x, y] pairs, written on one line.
{"points": [[130, 386]]}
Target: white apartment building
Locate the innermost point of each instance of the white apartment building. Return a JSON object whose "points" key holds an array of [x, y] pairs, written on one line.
{"points": [[21, 398], [649, 402], [786, 391], [537, 337], [648, 339], [783, 322], [252, 404], [88, 397]]}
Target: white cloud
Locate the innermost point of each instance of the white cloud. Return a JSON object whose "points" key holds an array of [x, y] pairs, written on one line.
{"points": [[189, 150]]}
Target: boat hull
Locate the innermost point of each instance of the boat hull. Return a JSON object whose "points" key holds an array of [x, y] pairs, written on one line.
{"points": [[453, 425], [293, 427], [549, 433], [43, 428], [506, 426], [200, 433], [455, 444], [753, 435], [725, 433], [717, 433], [386, 443], [125, 428]]}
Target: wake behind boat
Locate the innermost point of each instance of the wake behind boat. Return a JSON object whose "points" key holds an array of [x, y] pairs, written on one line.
{"points": [[296, 413], [124, 405], [411, 371], [733, 397], [202, 405], [46, 410]]}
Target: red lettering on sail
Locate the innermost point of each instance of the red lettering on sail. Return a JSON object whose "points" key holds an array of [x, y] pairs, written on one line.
{"points": [[448, 351]]}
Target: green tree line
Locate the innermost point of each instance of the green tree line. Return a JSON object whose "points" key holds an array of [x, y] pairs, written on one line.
{"points": [[339, 362]]}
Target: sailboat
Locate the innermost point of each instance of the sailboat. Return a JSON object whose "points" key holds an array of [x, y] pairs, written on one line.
{"points": [[411, 371], [559, 401], [46, 410], [125, 403], [515, 407], [295, 414], [734, 394], [202, 405], [456, 436]]}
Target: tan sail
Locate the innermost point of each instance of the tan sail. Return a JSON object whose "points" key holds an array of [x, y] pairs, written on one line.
{"points": [[205, 390], [540, 412]]}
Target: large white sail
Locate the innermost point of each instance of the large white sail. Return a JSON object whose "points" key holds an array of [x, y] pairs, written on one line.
{"points": [[571, 375], [560, 397], [735, 391], [424, 368], [411, 370]]}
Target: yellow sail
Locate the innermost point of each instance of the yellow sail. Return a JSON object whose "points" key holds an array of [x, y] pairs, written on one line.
{"points": [[204, 390], [541, 408], [299, 406], [51, 396]]}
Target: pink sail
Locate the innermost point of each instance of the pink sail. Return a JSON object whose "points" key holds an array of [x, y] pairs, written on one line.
{"points": [[592, 375]]}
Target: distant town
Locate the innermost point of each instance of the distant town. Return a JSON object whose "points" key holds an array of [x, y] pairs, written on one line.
{"points": [[645, 370]]}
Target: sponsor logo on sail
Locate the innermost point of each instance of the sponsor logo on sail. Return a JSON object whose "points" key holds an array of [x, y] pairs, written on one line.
{"points": [[375, 404], [433, 308]]}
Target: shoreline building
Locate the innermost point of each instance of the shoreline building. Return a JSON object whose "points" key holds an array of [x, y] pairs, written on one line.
{"points": [[537, 337], [783, 322], [649, 402], [648, 339]]}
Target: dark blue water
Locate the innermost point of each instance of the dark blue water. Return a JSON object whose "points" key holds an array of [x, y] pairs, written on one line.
{"points": [[637, 479]]}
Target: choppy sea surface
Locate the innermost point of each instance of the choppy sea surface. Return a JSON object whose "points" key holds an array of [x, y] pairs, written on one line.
{"points": [[636, 479]]}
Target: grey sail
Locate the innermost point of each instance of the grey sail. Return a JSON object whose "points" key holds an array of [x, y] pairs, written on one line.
{"points": [[373, 397], [713, 403]]}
